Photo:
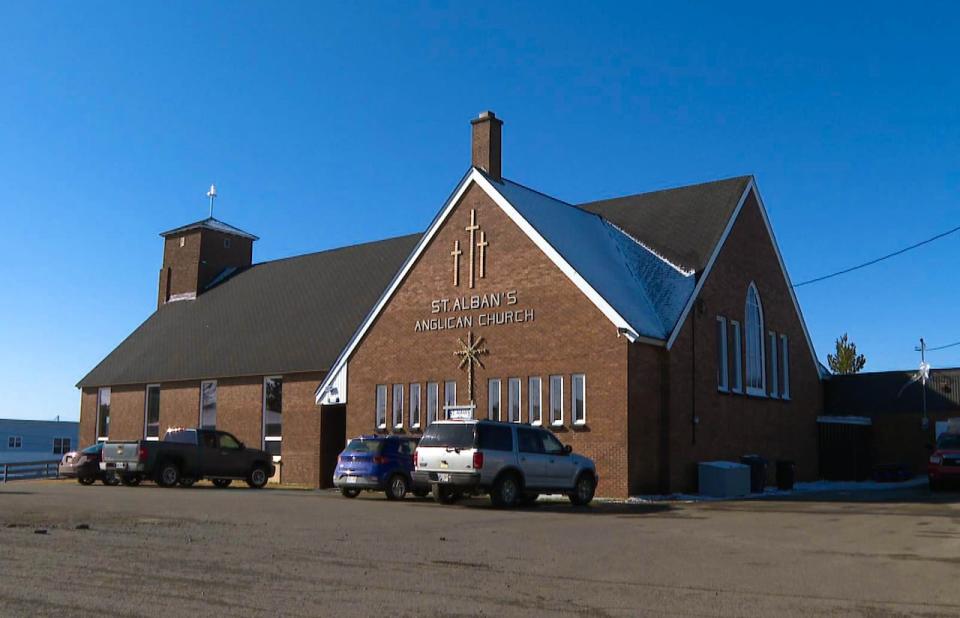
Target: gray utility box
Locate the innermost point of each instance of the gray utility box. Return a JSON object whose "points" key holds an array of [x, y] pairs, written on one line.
{"points": [[723, 479]]}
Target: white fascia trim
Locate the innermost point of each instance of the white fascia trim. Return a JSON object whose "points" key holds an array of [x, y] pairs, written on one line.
{"points": [[751, 186], [709, 267], [474, 176]]}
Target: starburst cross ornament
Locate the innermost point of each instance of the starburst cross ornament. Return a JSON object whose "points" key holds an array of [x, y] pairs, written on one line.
{"points": [[470, 353]]}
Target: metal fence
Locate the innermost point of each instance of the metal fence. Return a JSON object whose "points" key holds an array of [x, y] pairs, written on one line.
{"points": [[29, 470]]}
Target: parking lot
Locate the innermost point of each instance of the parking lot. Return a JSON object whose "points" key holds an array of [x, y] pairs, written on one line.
{"points": [[207, 551]]}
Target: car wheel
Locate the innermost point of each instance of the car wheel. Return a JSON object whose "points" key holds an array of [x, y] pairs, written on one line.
{"points": [[528, 499], [221, 483], [111, 479], [348, 492], [506, 491], [258, 477], [186, 481], [130, 480], [396, 487], [583, 489], [86, 480], [444, 495], [168, 475]]}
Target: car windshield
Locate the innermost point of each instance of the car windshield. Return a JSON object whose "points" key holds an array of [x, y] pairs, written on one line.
{"points": [[361, 447], [449, 436], [949, 440], [93, 450]]}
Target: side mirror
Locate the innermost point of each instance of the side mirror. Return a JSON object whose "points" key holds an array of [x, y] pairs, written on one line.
{"points": [[567, 449], [242, 446]]}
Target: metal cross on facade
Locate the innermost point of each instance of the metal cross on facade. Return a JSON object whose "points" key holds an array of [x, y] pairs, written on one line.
{"points": [[456, 253], [472, 228], [470, 353]]}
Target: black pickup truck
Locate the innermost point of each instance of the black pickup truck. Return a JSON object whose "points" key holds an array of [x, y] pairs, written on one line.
{"points": [[186, 456]]}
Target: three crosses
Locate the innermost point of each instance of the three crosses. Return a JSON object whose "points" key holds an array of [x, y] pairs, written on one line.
{"points": [[480, 244]]}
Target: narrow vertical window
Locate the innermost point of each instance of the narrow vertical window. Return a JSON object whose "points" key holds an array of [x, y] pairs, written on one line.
{"points": [[103, 413], [753, 330], [736, 358], [493, 399], [513, 400], [151, 413], [415, 406], [449, 397], [398, 406], [535, 399], [785, 367], [556, 400], [723, 383], [381, 406], [433, 401], [208, 404], [774, 381], [579, 384], [273, 415]]}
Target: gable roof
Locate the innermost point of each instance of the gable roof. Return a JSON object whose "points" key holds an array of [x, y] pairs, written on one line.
{"points": [[210, 224], [285, 316], [683, 225]]}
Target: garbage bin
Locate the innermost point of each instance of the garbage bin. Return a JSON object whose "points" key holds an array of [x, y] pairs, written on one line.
{"points": [[758, 472], [786, 474]]}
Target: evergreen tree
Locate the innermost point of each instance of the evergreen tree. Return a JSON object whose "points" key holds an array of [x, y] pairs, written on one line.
{"points": [[846, 359]]}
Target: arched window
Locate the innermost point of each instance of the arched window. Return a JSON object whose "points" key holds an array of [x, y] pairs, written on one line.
{"points": [[753, 332]]}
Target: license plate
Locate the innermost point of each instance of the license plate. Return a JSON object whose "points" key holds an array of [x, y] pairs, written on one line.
{"points": [[443, 477], [120, 465], [351, 479]]}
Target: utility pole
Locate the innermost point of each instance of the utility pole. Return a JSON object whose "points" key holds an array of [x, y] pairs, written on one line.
{"points": [[924, 373]]}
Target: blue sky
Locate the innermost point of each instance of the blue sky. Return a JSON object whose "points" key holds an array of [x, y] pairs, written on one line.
{"points": [[330, 124]]}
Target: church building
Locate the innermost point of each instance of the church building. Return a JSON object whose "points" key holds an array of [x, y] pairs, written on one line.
{"points": [[650, 332]]}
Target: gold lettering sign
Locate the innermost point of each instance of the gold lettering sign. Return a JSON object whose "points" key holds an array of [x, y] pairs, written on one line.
{"points": [[475, 244]]}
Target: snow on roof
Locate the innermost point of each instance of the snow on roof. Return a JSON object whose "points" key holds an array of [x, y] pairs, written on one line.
{"points": [[648, 291], [211, 224]]}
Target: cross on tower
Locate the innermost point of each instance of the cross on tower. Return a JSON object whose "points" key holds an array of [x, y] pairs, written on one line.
{"points": [[456, 253], [470, 353]]}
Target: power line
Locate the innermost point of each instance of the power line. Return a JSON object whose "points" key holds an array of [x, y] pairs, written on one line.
{"points": [[880, 259], [944, 347]]}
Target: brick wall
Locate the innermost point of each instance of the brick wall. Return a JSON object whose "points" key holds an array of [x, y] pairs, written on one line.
{"points": [[180, 265], [568, 335], [88, 417], [734, 425]]}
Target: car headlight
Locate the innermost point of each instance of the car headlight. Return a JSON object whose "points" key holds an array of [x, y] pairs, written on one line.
{"points": [[936, 459]]}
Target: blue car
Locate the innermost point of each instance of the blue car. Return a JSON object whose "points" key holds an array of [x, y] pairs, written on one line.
{"points": [[378, 463]]}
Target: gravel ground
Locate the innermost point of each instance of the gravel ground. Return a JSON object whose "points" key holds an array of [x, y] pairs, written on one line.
{"points": [[239, 552]]}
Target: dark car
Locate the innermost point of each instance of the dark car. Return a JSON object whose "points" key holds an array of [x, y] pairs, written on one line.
{"points": [[85, 466], [378, 463], [185, 456]]}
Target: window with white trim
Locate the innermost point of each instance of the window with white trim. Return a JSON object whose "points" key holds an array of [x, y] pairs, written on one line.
{"points": [[535, 401], [578, 384], [208, 404], [723, 383], [774, 381], [398, 406], [513, 400], [381, 406], [14, 441], [61, 446], [449, 396], [103, 413], [151, 413], [415, 406], [784, 367], [736, 358], [433, 401], [493, 399], [273, 415], [556, 400], [753, 330]]}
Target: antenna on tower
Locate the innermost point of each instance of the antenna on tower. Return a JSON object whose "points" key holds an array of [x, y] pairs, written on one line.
{"points": [[212, 193]]}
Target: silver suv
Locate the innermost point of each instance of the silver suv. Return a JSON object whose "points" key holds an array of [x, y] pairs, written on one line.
{"points": [[513, 463]]}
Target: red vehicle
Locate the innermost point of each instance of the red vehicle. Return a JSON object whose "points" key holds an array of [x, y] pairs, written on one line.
{"points": [[944, 465]]}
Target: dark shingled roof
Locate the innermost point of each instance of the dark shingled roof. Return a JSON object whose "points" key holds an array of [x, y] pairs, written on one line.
{"points": [[683, 225], [284, 316], [870, 394], [210, 224]]}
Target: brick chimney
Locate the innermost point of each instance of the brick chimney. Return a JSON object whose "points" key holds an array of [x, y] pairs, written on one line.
{"points": [[486, 144], [199, 256]]}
